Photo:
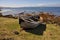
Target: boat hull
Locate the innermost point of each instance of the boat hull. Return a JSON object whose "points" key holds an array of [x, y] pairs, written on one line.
{"points": [[29, 24]]}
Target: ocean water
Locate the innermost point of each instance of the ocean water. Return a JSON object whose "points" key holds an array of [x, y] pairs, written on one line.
{"points": [[53, 10]]}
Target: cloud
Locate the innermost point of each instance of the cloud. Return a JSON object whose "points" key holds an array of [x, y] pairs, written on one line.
{"points": [[19, 5], [32, 5], [49, 5]]}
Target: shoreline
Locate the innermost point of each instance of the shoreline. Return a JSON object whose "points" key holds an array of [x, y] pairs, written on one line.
{"points": [[47, 17], [54, 10]]}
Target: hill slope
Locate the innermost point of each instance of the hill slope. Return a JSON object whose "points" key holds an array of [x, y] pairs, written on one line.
{"points": [[9, 25]]}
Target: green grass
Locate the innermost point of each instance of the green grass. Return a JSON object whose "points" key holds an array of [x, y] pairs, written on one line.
{"points": [[8, 25]]}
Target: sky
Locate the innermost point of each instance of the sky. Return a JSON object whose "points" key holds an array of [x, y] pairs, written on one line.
{"points": [[30, 3]]}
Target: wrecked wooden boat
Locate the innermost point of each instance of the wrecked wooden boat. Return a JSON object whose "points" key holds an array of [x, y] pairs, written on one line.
{"points": [[28, 21]]}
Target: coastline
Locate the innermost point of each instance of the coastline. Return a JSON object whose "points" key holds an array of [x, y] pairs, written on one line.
{"points": [[53, 10]]}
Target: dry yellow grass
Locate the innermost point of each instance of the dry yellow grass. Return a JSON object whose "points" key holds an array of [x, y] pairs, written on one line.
{"points": [[8, 25]]}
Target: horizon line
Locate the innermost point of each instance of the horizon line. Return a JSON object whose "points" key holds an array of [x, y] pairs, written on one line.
{"points": [[30, 6]]}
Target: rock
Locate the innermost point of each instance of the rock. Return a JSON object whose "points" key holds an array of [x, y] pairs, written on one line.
{"points": [[16, 32]]}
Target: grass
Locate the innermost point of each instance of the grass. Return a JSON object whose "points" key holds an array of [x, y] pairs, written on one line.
{"points": [[8, 25]]}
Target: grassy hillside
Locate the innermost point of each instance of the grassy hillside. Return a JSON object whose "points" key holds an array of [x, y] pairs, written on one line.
{"points": [[9, 25]]}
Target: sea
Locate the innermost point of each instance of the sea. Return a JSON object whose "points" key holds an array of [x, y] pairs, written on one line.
{"points": [[53, 10]]}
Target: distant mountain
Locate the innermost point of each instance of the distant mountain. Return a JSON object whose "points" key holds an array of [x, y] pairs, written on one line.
{"points": [[17, 7]]}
